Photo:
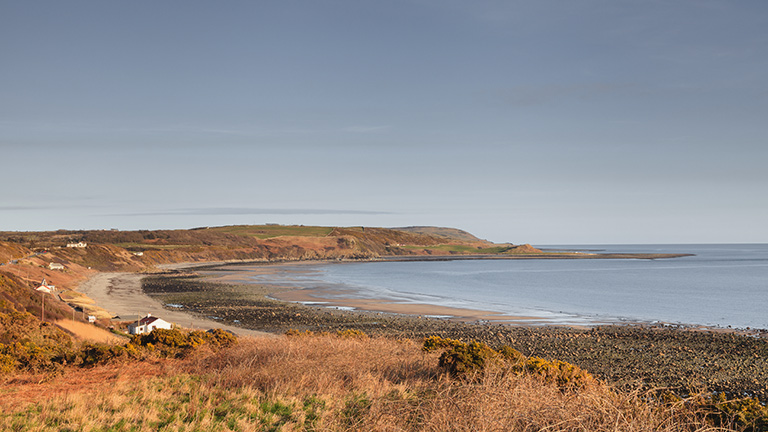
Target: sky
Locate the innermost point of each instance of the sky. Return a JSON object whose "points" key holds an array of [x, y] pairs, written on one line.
{"points": [[533, 121]]}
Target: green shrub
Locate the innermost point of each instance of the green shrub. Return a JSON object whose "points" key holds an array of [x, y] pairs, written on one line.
{"points": [[92, 355], [30, 356], [434, 343], [220, 338], [465, 358], [459, 359], [749, 414], [511, 355], [177, 342], [7, 362], [557, 372]]}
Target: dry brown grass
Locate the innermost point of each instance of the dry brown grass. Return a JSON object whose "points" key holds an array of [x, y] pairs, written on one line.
{"points": [[340, 384], [90, 332]]}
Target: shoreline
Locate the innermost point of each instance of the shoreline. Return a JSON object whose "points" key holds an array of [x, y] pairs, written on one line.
{"points": [[628, 356], [335, 297]]}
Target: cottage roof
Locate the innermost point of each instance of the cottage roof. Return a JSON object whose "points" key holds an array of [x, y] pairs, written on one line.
{"points": [[148, 320]]}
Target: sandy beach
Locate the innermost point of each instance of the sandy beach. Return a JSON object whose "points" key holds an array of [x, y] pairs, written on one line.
{"points": [[121, 295]]}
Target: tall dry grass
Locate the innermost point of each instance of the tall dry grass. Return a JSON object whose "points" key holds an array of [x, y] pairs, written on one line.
{"points": [[345, 384]]}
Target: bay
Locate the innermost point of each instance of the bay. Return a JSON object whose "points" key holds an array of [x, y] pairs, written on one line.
{"points": [[720, 286]]}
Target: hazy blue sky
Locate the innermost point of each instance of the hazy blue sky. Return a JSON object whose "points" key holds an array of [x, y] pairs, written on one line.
{"points": [[545, 122]]}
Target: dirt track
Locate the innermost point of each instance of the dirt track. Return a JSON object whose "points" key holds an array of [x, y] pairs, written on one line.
{"points": [[121, 295]]}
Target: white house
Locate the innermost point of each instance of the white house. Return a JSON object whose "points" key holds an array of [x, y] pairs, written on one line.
{"points": [[77, 245], [147, 324], [44, 287], [56, 266]]}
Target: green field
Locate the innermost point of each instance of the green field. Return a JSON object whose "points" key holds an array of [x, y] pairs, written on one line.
{"points": [[268, 231]]}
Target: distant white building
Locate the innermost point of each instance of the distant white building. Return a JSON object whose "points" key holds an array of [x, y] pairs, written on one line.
{"points": [[44, 287], [56, 266], [147, 324], [77, 245]]}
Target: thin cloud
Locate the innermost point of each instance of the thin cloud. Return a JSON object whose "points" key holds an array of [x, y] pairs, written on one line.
{"points": [[23, 208], [219, 211]]}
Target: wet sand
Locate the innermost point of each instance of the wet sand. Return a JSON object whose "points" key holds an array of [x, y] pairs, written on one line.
{"points": [[337, 297]]}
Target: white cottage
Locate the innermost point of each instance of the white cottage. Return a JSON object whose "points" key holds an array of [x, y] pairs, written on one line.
{"points": [[45, 287], [147, 324]]}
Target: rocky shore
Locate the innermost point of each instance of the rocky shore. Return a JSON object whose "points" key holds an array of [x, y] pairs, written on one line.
{"points": [[682, 360]]}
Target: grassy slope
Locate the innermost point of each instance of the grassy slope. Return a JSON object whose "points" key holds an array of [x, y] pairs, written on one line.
{"points": [[114, 250], [329, 383]]}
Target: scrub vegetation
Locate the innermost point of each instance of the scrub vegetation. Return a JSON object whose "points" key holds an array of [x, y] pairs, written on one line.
{"points": [[347, 381]]}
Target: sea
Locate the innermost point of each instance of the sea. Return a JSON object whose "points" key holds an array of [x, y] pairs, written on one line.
{"points": [[720, 285]]}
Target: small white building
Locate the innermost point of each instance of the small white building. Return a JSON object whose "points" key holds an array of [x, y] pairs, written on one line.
{"points": [[147, 324], [45, 287], [77, 245], [56, 266]]}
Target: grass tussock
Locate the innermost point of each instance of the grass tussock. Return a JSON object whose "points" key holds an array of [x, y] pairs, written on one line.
{"points": [[345, 382]]}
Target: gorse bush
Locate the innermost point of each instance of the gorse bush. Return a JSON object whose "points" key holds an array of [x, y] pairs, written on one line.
{"points": [[471, 357], [176, 342], [434, 343], [747, 412], [561, 373], [91, 355], [27, 356], [461, 359]]}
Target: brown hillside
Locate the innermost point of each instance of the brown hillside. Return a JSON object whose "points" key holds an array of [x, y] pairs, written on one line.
{"points": [[12, 251], [523, 249], [21, 308], [447, 234], [112, 250]]}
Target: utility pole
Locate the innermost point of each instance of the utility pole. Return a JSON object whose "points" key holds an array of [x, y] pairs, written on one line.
{"points": [[42, 313]]}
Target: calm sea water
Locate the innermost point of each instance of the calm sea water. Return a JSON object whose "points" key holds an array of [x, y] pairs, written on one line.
{"points": [[722, 285]]}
